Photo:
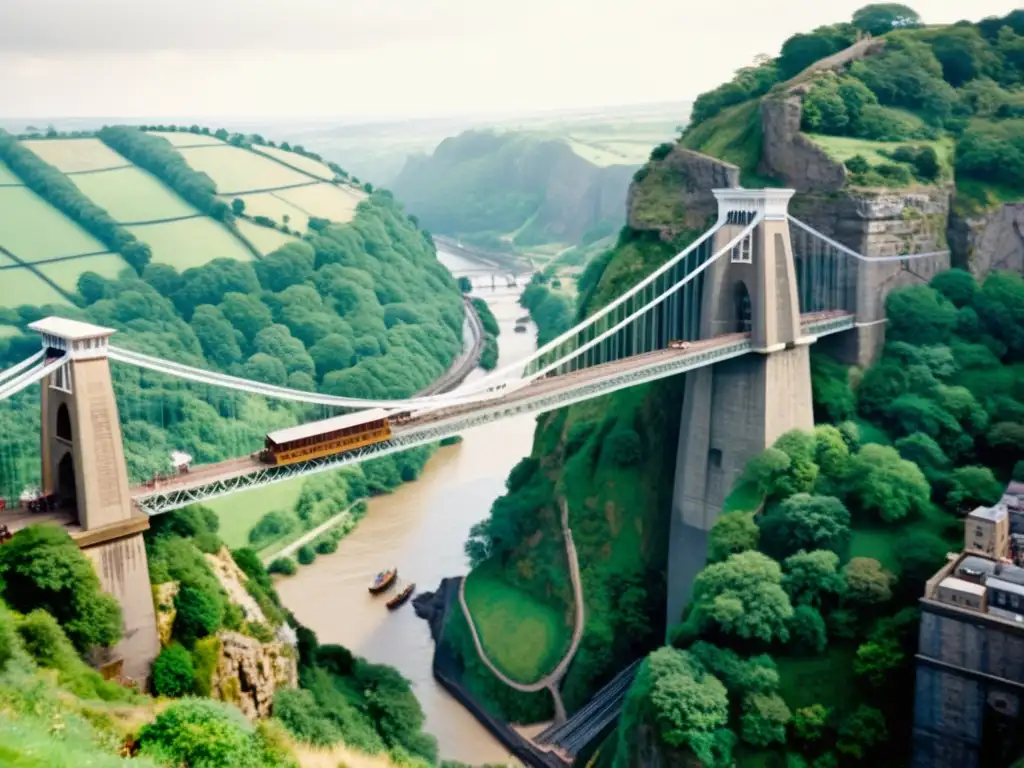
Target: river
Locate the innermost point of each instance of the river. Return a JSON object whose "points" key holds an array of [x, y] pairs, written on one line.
{"points": [[421, 528]]}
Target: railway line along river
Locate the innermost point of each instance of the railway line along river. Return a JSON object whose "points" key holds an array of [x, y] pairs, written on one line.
{"points": [[421, 529]]}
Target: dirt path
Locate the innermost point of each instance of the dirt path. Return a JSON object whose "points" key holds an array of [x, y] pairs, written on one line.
{"points": [[553, 679]]}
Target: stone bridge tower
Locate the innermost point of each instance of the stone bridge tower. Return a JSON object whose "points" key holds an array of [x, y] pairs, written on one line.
{"points": [[83, 463], [735, 409]]}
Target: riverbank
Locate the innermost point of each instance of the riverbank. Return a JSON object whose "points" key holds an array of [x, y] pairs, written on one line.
{"points": [[509, 262], [434, 608]]}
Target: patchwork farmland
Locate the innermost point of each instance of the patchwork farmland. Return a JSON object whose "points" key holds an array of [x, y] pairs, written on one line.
{"points": [[44, 250]]}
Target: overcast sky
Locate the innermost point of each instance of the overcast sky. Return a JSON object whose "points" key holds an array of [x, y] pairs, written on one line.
{"points": [[375, 58]]}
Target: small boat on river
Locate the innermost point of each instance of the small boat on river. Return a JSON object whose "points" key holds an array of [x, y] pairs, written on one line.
{"points": [[383, 580], [398, 600]]}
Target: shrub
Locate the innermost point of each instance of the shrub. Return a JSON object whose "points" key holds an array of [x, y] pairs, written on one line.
{"points": [[173, 672], [283, 565], [199, 613], [624, 447], [43, 568], [327, 546], [299, 712], [9, 642], [857, 164], [200, 733], [204, 660], [306, 555]]}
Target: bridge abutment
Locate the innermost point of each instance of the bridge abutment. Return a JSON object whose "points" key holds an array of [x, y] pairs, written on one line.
{"points": [[83, 464], [735, 409]]}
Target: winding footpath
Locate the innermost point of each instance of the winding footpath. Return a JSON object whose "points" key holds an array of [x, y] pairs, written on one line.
{"points": [[553, 679]]}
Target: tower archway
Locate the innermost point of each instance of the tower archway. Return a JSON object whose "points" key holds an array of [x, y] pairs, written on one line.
{"points": [[742, 313], [67, 490], [63, 422]]}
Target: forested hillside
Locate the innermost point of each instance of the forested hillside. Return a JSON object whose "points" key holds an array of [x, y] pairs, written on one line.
{"points": [[798, 646], [507, 190], [362, 309]]}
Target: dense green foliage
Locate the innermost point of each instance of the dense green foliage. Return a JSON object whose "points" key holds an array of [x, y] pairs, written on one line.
{"points": [[549, 309], [361, 310], [158, 156], [58, 190], [961, 81], [489, 355], [822, 575], [42, 568]]}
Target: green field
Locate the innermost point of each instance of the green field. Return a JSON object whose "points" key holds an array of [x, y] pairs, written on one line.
{"points": [[842, 148], [34, 230], [264, 238], [180, 139], [76, 155], [65, 273], [132, 194], [22, 286], [522, 637], [274, 207], [324, 200], [6, 177], [299, 162], [235, 170], [190, 243], [239, 512]]}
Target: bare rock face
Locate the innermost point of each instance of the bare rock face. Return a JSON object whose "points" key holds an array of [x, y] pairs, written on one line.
{"points": [[989, 240], [163, 601], [249, 672], [672, 195], [647, 750], [233, 579], [789, 155]]}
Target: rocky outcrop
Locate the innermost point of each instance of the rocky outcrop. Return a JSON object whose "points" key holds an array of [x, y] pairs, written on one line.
{"points": [[163, 601], [789, 155], [249, 672], [982, 242], [233, 579], [673, 195]]}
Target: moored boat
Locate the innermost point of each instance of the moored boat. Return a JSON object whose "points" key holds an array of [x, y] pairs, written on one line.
{"points": [[383, 580], [401, 597]]}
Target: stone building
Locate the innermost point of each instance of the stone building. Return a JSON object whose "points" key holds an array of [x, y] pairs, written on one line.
{"points": [[969, 697]]}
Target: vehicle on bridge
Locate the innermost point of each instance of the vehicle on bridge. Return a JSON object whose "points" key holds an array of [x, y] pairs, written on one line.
{"points": [[678, 344], [326, 437]]}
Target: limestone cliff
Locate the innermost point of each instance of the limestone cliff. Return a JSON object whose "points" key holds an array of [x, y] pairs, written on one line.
{"points": [[673, 194], [249, 672], [512, 185], [789, 155], [987, 240]]}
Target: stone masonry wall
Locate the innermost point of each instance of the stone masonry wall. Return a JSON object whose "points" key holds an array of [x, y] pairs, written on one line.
{"points": [[988, 241]]}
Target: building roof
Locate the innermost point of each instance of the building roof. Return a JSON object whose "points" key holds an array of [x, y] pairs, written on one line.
{"points": [[1011, 573], [994, 514], [959, 585], [975, 566], [1005, 586], [70, 330], [326, 425]]}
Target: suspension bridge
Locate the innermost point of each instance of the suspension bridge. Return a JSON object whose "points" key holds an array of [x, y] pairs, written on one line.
{"points": [[747, 297]]}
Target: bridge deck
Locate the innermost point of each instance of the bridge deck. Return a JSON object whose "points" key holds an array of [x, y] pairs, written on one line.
{"points": [[240, 467]]}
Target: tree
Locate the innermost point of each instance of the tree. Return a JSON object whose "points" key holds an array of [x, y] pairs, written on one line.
{"points": [[291, 264], [813, 578], [764, 468], [832, 454], [867, 582], [306, 555], [216, 336], [200, 732], [764, 719], [920, 449], [624, 447], [238, 206], [876, 662], [246, 313], [743, 597], [957, 285], [332, 353], [801, 473], [731, 534], [199, 612], [173, 672], [860, 731], [973, 487], [41, 567], [811, 723], [919, 315], [465, 284], [879, 18], [883, 484], [807, 630], [805, 522]]}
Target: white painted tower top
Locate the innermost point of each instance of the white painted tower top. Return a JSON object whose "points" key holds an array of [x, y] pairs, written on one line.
{"points": [[76, 339], [773, 203]]}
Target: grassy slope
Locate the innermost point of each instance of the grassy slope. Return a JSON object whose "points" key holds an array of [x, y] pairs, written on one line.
{"points": [[523, 636], [734, 135]]}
